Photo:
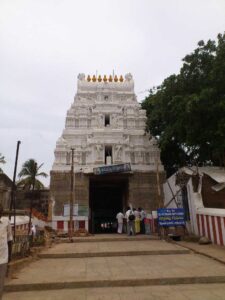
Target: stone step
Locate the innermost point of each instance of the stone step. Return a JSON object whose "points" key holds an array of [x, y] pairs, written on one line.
{"points": [[117, 271], [111, 254], [151, 292], [113, 283], [109, 238]]}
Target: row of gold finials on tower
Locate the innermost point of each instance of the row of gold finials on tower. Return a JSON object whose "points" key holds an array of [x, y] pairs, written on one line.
{"points": [[105, 79]]}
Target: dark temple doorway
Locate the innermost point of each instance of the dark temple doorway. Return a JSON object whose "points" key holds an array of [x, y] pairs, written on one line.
{"points": [[107, 196]]}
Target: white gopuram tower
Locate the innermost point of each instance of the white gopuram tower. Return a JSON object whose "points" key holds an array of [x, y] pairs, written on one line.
{"points": [[105, 126]]}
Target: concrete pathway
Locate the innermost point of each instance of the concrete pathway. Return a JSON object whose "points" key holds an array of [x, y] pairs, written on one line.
{"points": [[166, 271]]}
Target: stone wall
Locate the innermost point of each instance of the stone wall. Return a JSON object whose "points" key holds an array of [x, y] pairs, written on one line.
{"points": [[60, 190], [60, 187], [82, 189], [143, 190]]}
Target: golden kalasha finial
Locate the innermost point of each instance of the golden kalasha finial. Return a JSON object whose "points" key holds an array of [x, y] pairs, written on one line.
{"points": [[93, 78], [115, 78], [89, 78], [104, 78], [121, 78], [110, 78], [99, 78]]}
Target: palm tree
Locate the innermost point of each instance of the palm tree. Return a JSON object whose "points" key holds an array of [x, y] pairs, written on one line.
{"points": [[2, 161], [29, 174]]}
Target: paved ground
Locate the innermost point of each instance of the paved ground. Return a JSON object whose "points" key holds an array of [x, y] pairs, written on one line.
{"points": [[161, 274]]}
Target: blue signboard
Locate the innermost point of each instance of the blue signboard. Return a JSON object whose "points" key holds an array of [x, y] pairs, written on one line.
{"points": [[171, 216], [112, 169]]}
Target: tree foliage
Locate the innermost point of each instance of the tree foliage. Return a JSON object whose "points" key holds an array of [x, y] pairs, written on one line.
{"points": [[28, 175], [187, 111]]}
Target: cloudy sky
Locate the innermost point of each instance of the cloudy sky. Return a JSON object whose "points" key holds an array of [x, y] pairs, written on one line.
{"points": [[46, 43]]}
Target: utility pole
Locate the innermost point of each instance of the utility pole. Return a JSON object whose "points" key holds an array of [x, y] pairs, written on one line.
{"points": [[13, 200], [31, 201], [71, 197]]}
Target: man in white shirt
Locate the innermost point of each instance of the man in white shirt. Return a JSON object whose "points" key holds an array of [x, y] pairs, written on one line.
{"points": [[130, 221], [5, 247], [120, 217]]}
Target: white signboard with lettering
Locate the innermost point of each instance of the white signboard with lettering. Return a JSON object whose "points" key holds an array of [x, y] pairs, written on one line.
{"points": [[67, 210]]}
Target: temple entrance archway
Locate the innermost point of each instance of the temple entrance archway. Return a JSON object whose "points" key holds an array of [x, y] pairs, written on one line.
{"points": [[108, 195]]}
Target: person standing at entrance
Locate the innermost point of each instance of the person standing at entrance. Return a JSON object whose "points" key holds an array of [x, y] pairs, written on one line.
{"points": [[120, 218], [143, 216], [5, 247], [130, 221], [137, 221]]}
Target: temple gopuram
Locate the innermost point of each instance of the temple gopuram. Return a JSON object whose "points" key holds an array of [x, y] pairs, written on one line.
{"points": [[114, 161]]}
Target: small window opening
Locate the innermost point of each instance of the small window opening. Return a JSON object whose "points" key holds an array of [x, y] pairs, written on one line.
{"points": [[107, 120], [108, 155], [106, 97]]}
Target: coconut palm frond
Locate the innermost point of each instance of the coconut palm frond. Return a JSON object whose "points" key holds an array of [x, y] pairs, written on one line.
{"points": [[40, 166], [42, 174], [25, 183], [29, 174], [38, 185]]}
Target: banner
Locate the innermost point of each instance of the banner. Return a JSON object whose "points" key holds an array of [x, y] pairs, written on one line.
{"points": [[171, 217], [112, 169]]}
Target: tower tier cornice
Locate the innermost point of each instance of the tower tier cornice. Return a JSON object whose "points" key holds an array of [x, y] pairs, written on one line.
{"points": [[104, 83]]}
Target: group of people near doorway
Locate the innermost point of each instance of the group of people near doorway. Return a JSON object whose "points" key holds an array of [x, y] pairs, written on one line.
{"points": [[132, 222]]}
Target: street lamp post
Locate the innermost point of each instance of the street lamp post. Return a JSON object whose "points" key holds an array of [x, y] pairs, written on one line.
{"points": [[71, 197]]}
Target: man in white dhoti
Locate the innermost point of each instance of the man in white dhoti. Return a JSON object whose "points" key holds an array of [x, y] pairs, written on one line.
{"points": [[120, 218]]}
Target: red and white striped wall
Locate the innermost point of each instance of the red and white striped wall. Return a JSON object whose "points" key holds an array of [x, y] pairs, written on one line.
{"points": [[212, 226], [61, 223]]}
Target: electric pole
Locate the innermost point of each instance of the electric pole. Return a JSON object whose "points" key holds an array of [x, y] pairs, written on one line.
{"points": [[158, 184], [13, 200], [71, 196]]}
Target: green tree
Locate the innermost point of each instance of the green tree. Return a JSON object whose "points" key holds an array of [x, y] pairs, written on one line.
{"points": [[28, 175], [187, 111], [2, 161]]}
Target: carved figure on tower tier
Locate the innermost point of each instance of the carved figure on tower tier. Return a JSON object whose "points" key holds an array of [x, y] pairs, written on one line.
{"points": [[99, 149], [100, 120], [118, 152]]}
